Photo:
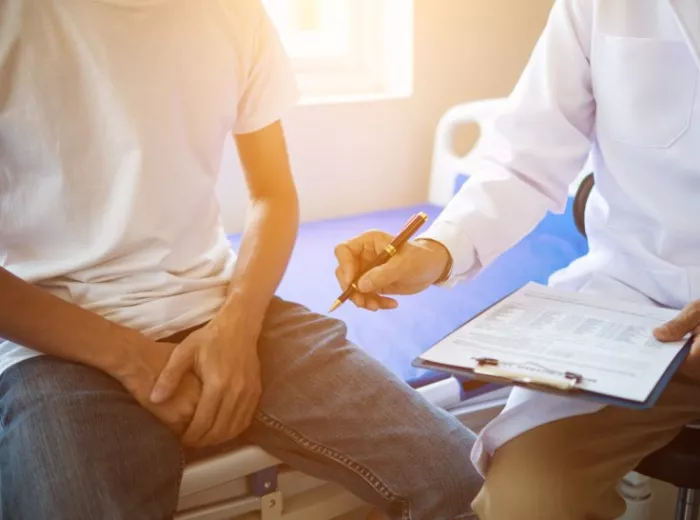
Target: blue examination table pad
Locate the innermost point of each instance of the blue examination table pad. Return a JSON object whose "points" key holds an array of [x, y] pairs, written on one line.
{"points": [[397, 337]]}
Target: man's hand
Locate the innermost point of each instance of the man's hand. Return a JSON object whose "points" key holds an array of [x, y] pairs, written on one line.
{"points": [[224, 354], [149, 361], [687, 323], [224, 357], [417, 266]]}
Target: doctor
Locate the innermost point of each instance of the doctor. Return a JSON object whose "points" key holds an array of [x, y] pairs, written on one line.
{"points": [[616, 79]]}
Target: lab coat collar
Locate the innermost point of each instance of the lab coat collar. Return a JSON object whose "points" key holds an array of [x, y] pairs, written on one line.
{"points": [[688, 14]]}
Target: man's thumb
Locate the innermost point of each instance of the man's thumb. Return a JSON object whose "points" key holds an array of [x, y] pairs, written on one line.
{"points": [[171, 376], [380, 277]]}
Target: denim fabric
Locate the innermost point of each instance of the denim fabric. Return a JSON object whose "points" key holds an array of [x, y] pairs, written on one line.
{"points": [[74, 444]]}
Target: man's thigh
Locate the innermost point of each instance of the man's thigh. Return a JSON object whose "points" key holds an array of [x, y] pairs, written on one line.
{"points": [[570, 469], [332, 410], [75, 445]]}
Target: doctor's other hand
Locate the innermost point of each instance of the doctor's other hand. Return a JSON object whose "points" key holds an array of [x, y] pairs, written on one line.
{"points": [[686, 324], [417, 266]]}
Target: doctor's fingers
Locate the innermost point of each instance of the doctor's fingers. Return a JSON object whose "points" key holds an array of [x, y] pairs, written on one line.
{"points": [[374, 302], [687, 322], [348, 265], [370, 301], [359, 252], [351, 269], [386, 278]]}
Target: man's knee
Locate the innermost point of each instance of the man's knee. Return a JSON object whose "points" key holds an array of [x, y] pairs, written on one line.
{"points": [[444, 481], [77, 454], [450, 495], [312, 373]]}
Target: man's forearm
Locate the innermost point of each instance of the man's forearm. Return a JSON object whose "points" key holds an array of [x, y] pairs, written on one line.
{"points": [[262, 260], [36, 319]]}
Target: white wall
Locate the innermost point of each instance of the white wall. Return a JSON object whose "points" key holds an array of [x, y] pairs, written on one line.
{"points": [[355, 157]]}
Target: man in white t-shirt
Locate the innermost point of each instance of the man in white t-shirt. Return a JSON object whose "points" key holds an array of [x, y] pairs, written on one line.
{"points": [[131, 329]]}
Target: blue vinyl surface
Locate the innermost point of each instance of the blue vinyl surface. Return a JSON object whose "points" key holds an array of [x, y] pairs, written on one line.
{"points": [[397, 337]]}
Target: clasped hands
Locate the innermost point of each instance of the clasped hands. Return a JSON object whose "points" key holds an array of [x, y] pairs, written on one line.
{"points": [[205, 389]]}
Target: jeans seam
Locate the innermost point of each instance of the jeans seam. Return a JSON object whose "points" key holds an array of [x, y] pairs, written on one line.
{"points": [[367, 475], [183, 464]]}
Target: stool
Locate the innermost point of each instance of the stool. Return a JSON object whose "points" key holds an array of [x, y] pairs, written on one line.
{"points": [[679, 464]]}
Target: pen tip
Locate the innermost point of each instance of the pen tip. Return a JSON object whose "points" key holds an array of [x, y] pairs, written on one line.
{"points": [[335, 305]]}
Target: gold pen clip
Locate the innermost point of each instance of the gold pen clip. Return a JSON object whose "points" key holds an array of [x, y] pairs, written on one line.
{"points": [[566, 381]]}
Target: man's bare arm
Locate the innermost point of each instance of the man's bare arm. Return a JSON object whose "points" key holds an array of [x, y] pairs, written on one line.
{"points": [[224, 353], [273, 219], [41, 321]]}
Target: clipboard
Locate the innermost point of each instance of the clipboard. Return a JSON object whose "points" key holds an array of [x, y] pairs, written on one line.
{"points": [[534, 376], [522, 379]]}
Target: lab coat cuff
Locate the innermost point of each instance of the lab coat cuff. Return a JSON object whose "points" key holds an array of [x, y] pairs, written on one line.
{"points": [[464, 260]]}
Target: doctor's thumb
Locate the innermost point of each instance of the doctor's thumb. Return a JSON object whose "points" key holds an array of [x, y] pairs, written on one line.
{"points": [[687, 322], [379, 278]]}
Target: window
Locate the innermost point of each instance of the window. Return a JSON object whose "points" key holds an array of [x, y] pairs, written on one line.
{"points": [[348, 49]]}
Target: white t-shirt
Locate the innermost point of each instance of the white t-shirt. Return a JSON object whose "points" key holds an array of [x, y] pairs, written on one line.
{"points": [[113, 117]]}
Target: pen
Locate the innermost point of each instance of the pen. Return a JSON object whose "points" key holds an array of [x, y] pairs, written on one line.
{"points": [[409, 229]]}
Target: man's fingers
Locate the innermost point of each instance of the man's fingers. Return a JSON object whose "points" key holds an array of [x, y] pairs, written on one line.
{"points": [[688, 321], [218, 433], [179, 363], [243, 414], [204, 415]]}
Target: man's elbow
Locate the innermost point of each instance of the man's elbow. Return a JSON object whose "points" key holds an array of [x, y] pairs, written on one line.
{"points": [[281, 199]]}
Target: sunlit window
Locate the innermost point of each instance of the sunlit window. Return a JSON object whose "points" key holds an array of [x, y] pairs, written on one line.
{"points": [[348, 49]]}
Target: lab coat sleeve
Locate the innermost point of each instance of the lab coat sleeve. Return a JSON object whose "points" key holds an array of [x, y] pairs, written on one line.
{"points": [[539, 144]]}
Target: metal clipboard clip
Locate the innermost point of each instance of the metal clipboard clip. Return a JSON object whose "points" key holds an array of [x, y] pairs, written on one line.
{"points": [[500, 372]]}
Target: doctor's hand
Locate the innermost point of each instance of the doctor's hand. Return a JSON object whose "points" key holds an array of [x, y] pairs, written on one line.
{"points": [[223, 355], [687, 323], [416, 266]]}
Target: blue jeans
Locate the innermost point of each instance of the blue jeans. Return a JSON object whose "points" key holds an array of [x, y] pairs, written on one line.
{"points": [[74, 445]]}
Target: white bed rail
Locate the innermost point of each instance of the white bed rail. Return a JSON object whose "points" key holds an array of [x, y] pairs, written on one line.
{"points": [[446, 164]]}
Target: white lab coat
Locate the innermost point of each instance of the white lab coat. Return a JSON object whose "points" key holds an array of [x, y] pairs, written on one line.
{"points": [[616, 80]]}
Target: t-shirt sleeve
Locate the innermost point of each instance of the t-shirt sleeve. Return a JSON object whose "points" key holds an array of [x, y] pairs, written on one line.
{"points": [[269, 83]]}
